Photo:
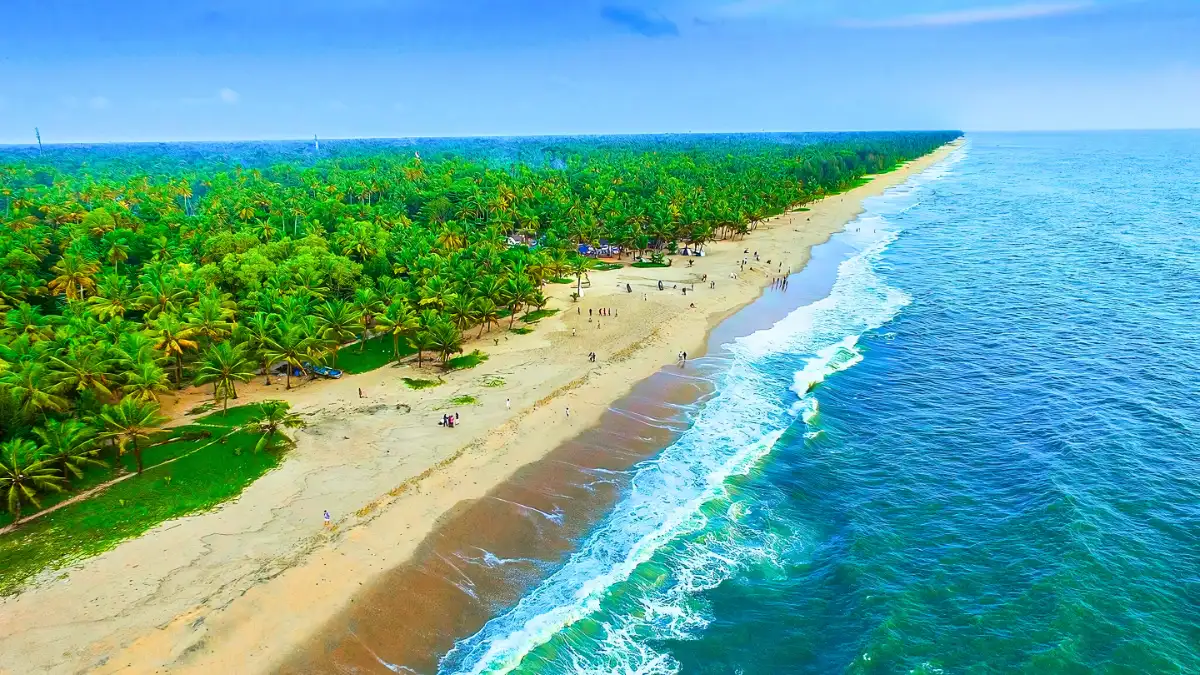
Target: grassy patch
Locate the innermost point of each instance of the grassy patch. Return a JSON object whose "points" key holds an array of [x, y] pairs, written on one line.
{"points": [[234, 417], [376, 353], [802, 208], [561, 280], [195, 483], [522, 330], [466, 361], [202, 408], [538, 315], [418, 383], [493, 382], [650, 264], [603, 266], [465, 399]]}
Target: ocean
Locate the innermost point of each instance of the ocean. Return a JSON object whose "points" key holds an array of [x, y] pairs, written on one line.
{"points": [[974, 452]]}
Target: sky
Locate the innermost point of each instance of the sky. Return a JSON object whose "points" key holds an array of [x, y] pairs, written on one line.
{"points": [[148, 70]]}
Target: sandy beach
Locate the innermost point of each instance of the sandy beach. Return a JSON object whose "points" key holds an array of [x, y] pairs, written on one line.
{"points": [[240, 588]]}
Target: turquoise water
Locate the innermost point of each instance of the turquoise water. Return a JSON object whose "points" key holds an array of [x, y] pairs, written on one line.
{"points": [[977, 454]]}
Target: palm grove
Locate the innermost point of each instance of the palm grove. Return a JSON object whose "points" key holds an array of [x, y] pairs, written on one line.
{"points": [[119, 285]]}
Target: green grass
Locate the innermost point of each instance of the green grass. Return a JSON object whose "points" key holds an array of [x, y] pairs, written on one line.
{"points": [[376, 353], [494, 382], [202, 408], [537, 315], [466, 361], [802, 208], [418, 383], [650, 264], [465, 399], [522, 330], [236, 416], [561, 280], [194, 483], [603, 266]]}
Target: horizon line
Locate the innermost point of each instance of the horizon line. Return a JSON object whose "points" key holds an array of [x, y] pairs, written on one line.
{"points": [[281, 139]]}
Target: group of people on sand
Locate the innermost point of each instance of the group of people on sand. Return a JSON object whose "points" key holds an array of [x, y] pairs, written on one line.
{"points": [[592, 357], [682, 359], [449, 421]]}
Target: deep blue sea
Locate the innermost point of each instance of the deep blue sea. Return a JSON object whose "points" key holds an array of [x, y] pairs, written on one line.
{"points": [[977, 454]]}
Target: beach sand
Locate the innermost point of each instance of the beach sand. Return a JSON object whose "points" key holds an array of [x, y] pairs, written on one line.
{"points": [[240, 588]]}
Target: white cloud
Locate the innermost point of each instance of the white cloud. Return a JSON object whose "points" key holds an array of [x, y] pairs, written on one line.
{"points": [[98, 103], [229, 96], [973, 16]]}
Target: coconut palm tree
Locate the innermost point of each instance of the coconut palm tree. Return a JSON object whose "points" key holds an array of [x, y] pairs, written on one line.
{"points": [[487, 313], [75, 276], [335, 324], [462, 312], [423, 341], [129, 422], [272, 416], [401, 322], [24, 474], [368, 305], [70, 444], [84, 369], [173, 338], [145, 381], [445, 339], [32, 388], [24, 319], [211, 319], [260, 331], [579, 266], [224, 365], [114, 297], [517, 292], [293, 346]]}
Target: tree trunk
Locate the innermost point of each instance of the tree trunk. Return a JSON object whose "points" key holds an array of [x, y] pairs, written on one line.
{"points": [[137, 456], [267, 371], [395, 346], [289, 377], [179, 371]]}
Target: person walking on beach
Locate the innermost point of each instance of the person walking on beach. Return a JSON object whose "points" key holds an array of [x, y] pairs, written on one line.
{"points": [[508, 404], [568, 411], [328, 522]]}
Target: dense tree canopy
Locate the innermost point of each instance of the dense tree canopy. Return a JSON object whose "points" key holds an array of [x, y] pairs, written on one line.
{"points": [[125, 275]]}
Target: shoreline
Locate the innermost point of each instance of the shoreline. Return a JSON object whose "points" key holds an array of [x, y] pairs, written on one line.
{"points": [[238, 588], [485, 556]]}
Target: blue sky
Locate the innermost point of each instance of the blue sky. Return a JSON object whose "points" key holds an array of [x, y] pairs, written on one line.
{"points": [[103, 70]]}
